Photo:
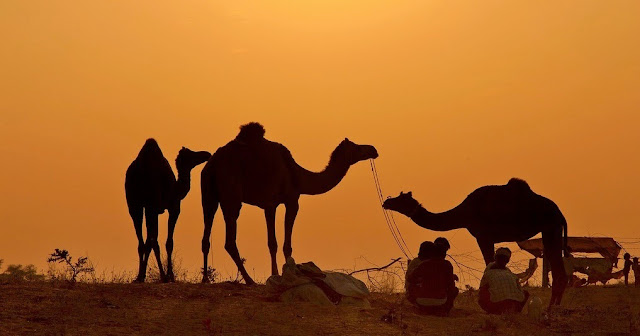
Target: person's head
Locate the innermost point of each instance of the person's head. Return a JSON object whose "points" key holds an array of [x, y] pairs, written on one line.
{"points": [[627, 256], [442, 244], [502, 256], [427, 250]]}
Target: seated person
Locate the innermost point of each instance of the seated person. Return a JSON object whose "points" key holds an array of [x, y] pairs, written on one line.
{"points": [[500, 290], [636, 271], [432, 283], [425, 252], [443, 243], [627, 268]]}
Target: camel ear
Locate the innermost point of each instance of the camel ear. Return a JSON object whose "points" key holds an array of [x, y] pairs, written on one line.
{"points": [[410, 194], [346, 139], [183, 147]]}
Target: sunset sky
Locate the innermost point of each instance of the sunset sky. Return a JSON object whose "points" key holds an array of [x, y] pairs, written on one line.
{"points": [[453, 94]]}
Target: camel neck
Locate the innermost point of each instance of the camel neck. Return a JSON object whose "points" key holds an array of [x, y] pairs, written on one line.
{"points": [[444, 221], [312, 183], [183, 184]]}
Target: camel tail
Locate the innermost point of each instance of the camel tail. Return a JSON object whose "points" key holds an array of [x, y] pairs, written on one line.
{"points": [[565, 237]]}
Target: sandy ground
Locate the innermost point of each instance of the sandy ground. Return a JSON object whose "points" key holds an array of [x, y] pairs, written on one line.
{"points": [[229, 309]]}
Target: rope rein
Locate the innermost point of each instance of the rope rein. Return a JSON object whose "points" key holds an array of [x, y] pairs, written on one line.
{"points": [[388, 216], [397, 235]]}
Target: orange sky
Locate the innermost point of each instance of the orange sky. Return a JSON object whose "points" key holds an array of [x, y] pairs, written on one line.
{"points": [[454, 95]]}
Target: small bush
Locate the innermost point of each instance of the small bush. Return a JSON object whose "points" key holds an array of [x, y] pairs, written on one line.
{"points": [[212, 275], [20, 273], [81, 266]]}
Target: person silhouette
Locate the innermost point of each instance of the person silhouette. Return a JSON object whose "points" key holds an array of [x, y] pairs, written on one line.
{"points": [[432, 286], [636, 269], [627, 268]]}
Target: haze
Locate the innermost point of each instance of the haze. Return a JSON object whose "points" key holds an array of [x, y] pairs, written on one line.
{"points": [[453, 94]]}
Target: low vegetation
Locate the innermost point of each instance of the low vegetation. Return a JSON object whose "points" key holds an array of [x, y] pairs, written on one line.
{"points": [[106, 303], [53, 308], [19, 273]]}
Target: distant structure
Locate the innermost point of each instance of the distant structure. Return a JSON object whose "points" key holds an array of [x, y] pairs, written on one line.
{"points": [[501, 213], [151, 187], [253, 170]]}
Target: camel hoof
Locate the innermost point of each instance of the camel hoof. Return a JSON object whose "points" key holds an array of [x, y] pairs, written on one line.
{"points": [[138, 280], [205, 280], [250, 282]]}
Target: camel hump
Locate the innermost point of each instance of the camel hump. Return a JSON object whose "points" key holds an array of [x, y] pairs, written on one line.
{"points": [[518, 183], [251, 132], [150, 150]]}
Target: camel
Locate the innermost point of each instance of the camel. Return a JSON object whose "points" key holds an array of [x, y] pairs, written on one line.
{"points": [[253, 170], [499, 213], [151, 186]]}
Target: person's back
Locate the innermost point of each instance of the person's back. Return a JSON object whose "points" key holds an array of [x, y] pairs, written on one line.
{"points": [[411, 267], [432, 283], [426, 251], [499, 288], [436, 278], [503, 285]]}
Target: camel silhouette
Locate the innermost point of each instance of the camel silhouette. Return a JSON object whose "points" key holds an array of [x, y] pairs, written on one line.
{"points": [[499, 213], [253, 170], [151, 187]]}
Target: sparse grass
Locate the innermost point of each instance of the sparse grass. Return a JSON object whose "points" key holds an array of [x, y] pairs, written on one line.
{"points": [[107, 303]]}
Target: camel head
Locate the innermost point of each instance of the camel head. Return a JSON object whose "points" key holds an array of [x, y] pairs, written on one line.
{"points": [[353, 153], [403, 203], [188, 159]]}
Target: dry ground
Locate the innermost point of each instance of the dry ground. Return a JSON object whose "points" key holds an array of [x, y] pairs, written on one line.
{"points": [[47, 308]]}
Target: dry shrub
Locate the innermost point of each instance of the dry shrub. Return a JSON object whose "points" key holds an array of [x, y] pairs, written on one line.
{"points": [[72, 271], [383, 282], [20, 273]]}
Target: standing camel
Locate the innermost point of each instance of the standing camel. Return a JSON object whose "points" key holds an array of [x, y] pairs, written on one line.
{"points": [[150, 185], [253, 170], [501, 213]]}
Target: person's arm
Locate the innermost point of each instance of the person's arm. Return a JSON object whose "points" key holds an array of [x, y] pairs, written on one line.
{"points": [[484, 281], [415, 276], [451, 278]]}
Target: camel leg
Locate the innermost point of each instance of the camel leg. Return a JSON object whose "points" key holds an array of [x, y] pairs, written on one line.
{"points": [[552, 241], [173, 219], [487, 249], [270, 216], [136, 213], [209, 208], [231, 211], [289, 219], [152, 241]]}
